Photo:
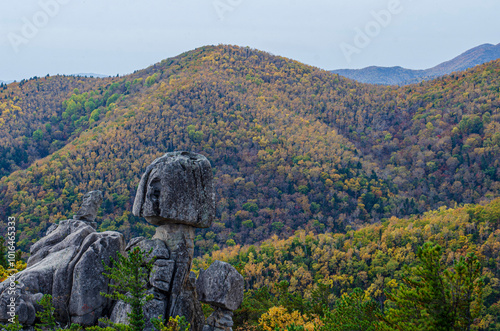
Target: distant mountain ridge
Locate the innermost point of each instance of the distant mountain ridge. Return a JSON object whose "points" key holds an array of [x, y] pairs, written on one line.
{"points": [[402, 76]]}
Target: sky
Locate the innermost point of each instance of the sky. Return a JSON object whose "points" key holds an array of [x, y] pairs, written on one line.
{"points": [[40, 37]]}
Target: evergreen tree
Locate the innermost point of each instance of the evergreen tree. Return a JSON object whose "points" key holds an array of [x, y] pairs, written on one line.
{"points": [[129, 275], [352, 312], [434, 298], [46, 315]]}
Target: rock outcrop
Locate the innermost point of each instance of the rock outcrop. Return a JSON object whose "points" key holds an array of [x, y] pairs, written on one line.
{"points": [[88, 211], [221, 286], [176, 193], [67, 264]]}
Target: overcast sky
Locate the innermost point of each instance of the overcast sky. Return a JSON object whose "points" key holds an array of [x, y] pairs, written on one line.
{"points": [[39, 37]]}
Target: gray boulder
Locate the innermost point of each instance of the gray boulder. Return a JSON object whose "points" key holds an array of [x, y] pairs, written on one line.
{"points": [[177, 188], [88, 211], [66, 264], [220, 286], [219, 320], [86, 304]]}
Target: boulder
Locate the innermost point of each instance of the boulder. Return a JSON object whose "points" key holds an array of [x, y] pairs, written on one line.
{"points": [[220, 286], [177, 188], [88, 211], [86, 304], [219, 320], [66, 264]]}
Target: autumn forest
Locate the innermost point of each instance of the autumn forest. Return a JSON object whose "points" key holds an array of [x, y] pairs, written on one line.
{"points": [[327, 189]]}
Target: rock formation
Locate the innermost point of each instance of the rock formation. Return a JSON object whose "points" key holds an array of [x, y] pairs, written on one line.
{"points": [[221, 286], [176, 193], [67, 264]]}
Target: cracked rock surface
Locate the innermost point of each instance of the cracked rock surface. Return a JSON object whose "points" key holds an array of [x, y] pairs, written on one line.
{"points": [[221, 285], [177, 188], [67, 264]]}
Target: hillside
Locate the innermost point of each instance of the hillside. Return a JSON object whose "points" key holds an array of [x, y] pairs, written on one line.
{"points": [[372, 258], [293, 147], [402, 76]]}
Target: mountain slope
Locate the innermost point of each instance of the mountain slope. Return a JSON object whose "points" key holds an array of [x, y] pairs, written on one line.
{"points": [[402, 76], [292, 146], [275, 165], [372, 258]]}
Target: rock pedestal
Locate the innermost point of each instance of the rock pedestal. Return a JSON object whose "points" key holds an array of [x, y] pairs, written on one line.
{"points": [[176, 193], [221, 286]]}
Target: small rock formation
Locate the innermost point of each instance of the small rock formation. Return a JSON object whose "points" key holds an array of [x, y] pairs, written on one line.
{"points": [[176, 193], [67, 264], [221, 286], [91, 203]]}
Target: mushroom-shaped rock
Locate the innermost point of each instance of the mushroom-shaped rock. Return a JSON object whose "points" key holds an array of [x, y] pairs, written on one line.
{"points": [[220, 286], [88, 211], [177, 188]]}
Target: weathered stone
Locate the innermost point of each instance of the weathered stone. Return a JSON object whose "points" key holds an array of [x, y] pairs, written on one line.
{"points": [[50, 255], [221, 286], [220, 319], [86, 304], [88, 211], [69, 234], [152, 309], [186, 304], [179, 239], [157, 247], [177, 188], [132, 242], [161, 274], [66, 264]]}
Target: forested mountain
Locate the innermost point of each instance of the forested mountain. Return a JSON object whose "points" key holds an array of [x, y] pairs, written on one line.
{"points": [[292, 146], [402, 76], [319, 268]]}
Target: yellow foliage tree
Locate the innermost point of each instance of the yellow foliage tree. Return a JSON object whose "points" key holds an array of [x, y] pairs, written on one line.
{"points": [[280, 318]]}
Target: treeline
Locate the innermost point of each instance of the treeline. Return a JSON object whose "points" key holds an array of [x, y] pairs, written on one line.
{"points": [[307, 272]]}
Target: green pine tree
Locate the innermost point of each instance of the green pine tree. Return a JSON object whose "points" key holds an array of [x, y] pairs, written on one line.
{"points": [[130, 274], [434, 298], [46, 314], [352, 312]]}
